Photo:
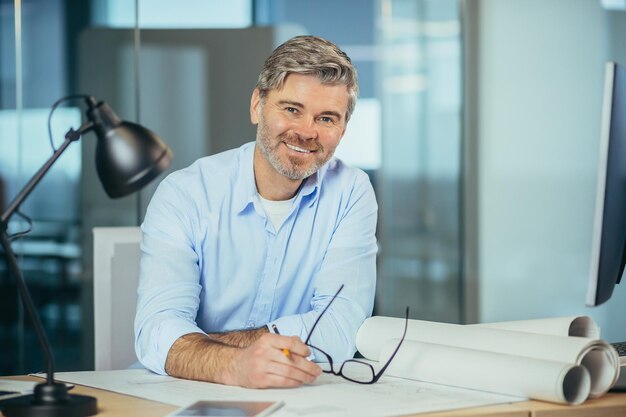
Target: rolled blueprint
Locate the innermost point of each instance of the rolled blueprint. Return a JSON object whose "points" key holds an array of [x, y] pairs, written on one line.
{"points": [[488, 371], [582, 326], [596, 356]]}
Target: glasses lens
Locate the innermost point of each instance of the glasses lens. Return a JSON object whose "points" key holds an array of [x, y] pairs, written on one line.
{"points": [[357, 371]]}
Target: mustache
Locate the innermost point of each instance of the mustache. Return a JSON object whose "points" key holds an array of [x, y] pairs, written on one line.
{"points": [[295, 140]]}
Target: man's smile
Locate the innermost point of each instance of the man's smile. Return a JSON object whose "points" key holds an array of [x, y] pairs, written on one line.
{"points": [[299, 149]]}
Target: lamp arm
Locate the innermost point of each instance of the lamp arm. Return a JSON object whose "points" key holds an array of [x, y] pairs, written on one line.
{"points": [[71, 136]]}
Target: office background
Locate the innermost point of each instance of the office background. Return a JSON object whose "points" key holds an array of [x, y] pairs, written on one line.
{"points": [[478, 123]]}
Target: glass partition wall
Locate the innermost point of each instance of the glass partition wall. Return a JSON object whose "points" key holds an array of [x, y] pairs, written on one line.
{"points": [[419, 85], [38, 66], [189, 79], [406, 134]]}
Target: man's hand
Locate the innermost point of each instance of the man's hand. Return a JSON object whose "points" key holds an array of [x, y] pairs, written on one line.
{"points": [[274, 361], [261, 364]]}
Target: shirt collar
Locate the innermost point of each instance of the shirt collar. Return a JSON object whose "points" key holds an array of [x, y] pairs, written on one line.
{"points": [[245, 188], [312, 184]]}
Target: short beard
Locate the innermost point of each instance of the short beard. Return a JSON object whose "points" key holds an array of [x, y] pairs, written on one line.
{"points": [[293, 172]]}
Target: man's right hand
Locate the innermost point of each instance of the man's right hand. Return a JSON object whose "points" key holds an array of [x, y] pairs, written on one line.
{"points": [[273, 361]]}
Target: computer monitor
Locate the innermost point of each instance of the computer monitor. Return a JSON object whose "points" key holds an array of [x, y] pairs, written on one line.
{"points": [[608, 253]]}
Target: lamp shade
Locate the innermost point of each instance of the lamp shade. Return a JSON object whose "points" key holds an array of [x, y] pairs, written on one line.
{"points": [[128, 156]]}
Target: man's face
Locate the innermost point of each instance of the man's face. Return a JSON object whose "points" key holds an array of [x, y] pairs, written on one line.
{"points": [[300, 125]]}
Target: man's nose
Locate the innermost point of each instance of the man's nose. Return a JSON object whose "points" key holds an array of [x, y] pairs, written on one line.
{"points": [[306, 128]]}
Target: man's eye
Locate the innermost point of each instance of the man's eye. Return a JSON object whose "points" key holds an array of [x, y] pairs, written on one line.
{"points": [[326, 119], [291, 109]]}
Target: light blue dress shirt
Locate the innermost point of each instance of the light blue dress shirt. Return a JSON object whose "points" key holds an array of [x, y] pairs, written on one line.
{"points": [[211, 260]]}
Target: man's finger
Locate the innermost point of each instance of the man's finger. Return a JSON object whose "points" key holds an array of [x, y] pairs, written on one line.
{"points": [[290, 344], [291, 371]]}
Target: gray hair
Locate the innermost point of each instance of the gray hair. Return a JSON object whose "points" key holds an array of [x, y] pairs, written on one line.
{"points": [[309, 55]]}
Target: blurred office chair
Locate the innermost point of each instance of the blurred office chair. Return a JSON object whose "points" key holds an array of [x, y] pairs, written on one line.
{"points": [[116, 272]]}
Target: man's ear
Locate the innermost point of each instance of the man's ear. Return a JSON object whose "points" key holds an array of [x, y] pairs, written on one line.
{"points": [[255, 106]]}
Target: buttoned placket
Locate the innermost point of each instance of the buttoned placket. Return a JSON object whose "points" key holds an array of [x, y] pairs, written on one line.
{"points": [[276, 244]]}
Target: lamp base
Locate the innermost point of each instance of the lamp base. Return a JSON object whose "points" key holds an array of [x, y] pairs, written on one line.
{"points": [[70, 406]]}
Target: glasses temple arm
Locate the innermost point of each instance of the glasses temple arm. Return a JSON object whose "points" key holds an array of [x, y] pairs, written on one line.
{"points": [[306, 342], [382, 370]]}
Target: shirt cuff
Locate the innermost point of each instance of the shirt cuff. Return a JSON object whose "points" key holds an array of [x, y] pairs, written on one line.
{"points": [[167, 333], [289, 326]]}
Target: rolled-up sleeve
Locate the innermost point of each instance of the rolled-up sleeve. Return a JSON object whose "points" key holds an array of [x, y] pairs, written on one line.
{"points": [[169, 288]]}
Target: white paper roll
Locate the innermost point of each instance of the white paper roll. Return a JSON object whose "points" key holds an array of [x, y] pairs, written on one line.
{"points": [[596, 356], [487, 371], [581, 326]]}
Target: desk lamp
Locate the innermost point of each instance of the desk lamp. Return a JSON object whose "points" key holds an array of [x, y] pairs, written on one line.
{"points": [[128, 156]]}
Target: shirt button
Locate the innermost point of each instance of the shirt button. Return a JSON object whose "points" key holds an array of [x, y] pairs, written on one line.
{"points": [[250, 323]]}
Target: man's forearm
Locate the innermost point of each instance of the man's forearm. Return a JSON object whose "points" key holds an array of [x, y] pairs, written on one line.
{"points": [[196, 356], [208, 357]]}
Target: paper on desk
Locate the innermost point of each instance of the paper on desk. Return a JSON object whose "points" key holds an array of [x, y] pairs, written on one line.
{"points": [[16, 388], [22, 387], [330, 396], [508, 348]]}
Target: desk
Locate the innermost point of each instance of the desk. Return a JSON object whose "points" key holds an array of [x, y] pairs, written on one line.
{"points": [[111, 404]]}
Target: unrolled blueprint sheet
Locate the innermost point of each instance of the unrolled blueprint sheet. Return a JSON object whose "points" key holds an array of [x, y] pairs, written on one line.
{"points": [[330, 396]]}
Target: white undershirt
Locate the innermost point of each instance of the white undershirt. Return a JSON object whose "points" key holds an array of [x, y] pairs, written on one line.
{"points": [[277, 211]]}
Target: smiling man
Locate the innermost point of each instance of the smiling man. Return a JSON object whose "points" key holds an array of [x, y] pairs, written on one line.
{"points": [[242, 250]]}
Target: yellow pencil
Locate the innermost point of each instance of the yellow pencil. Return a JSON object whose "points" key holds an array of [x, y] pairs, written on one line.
{"points": [[285, 350]]}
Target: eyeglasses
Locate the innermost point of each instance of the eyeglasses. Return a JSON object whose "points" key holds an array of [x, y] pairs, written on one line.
{"points": [[353, 370]]}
